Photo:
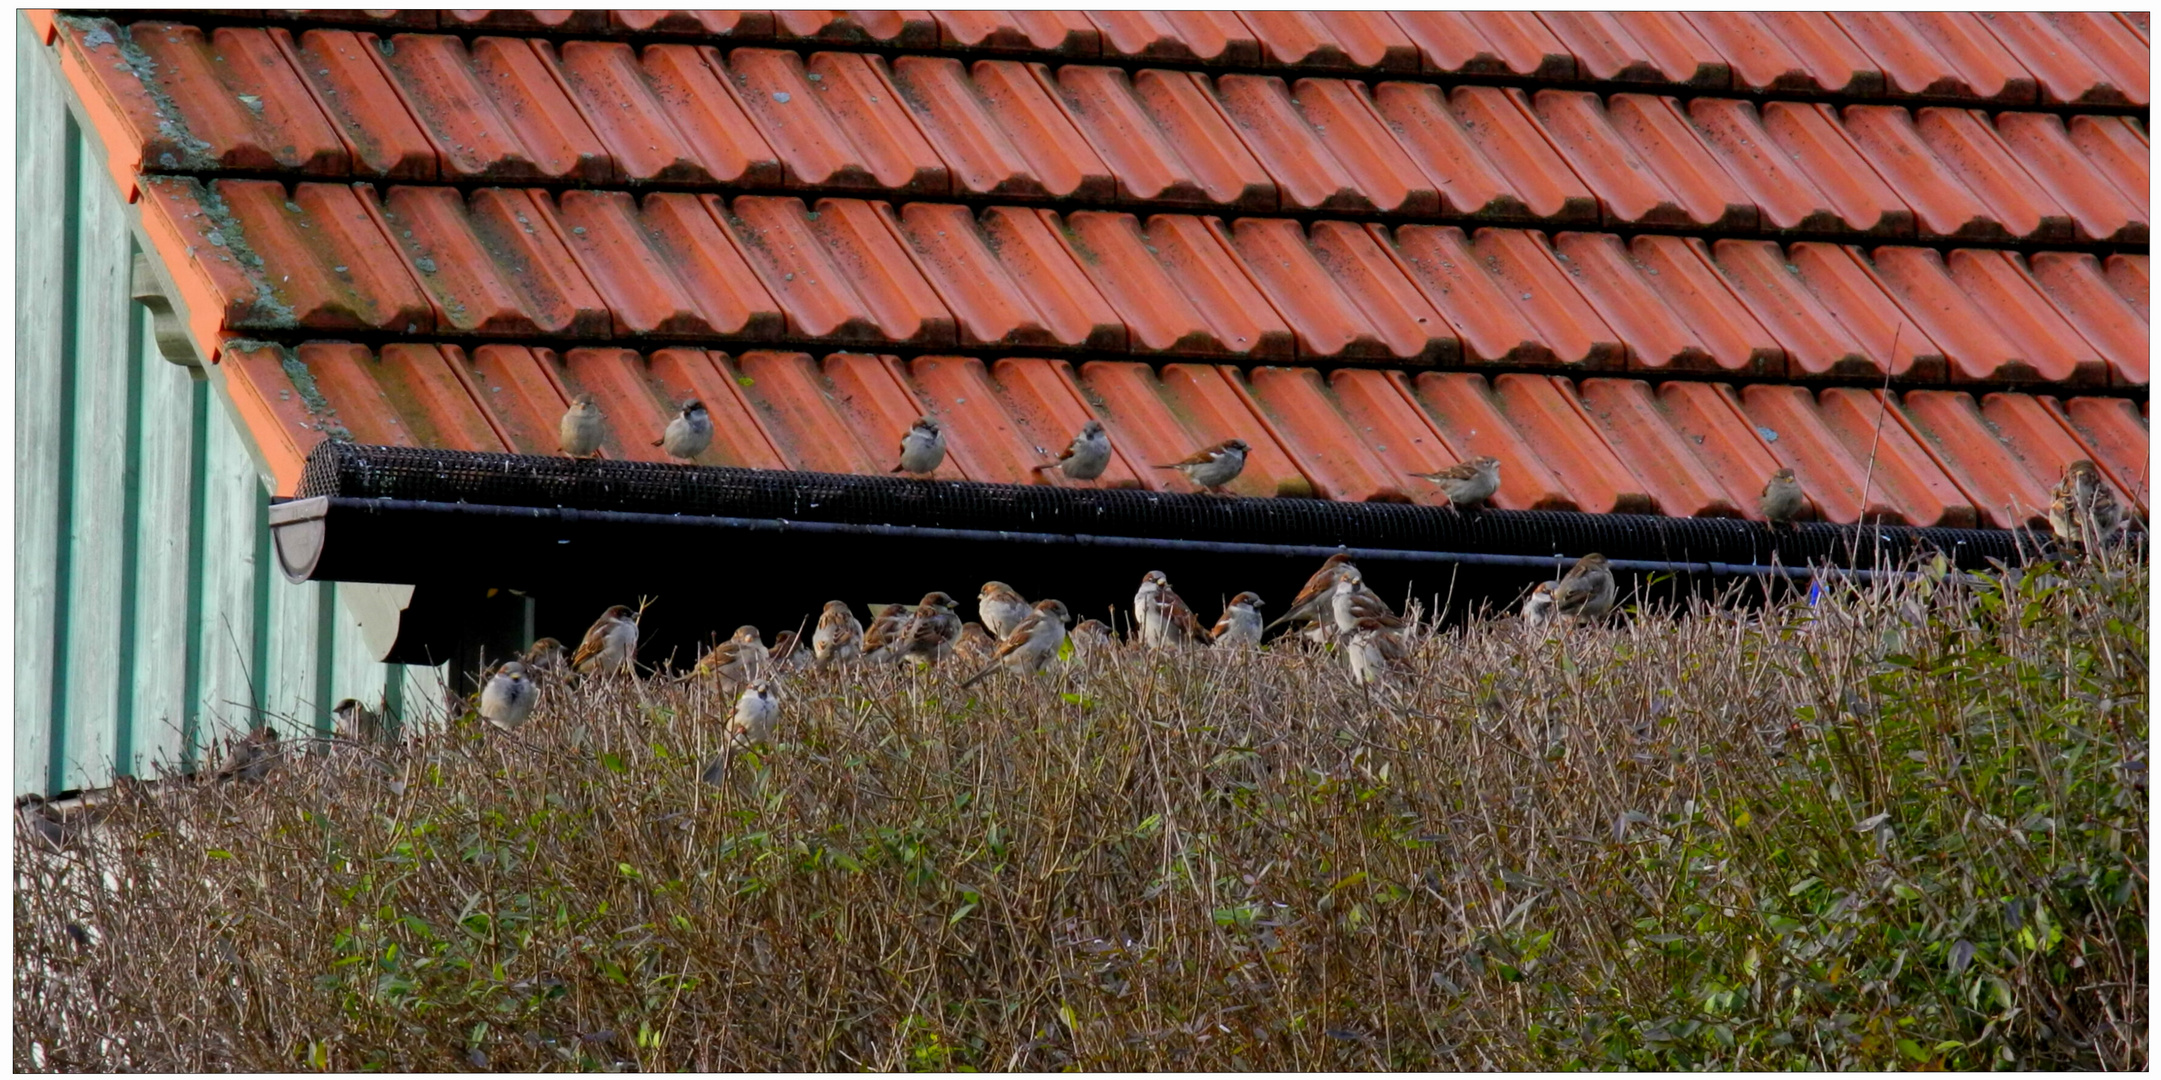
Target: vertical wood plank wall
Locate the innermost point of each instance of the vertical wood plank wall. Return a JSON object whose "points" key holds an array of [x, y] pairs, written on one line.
{"points": [[151, 621]]}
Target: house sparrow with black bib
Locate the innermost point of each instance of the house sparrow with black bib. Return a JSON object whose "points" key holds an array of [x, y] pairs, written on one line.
{"points": [[737, 660], [922, 449], [546, 658], [1783, 500], [1240, 625], [689, 433], [610, 645], [932, 628], [1215, 466], [1159, 616], [582, 429], [1031, 644], [1586, 591], [839, 637], [2083, 509], [509, 697], [1315, 602], [1001, 609], [1089, 455], [1468, 483]]}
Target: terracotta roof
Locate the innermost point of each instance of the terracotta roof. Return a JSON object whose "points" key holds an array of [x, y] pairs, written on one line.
{"points": [[1645, 258]]}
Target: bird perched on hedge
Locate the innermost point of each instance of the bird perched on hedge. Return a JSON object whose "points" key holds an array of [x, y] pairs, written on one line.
{"points": [[689, 433], [610, 645], [1468, 483], [1031, 644], [2083, 509], [582, 428], [1353, 602], [737, 660], [1087, 457], [1091, 638], [1586, 591], [1315, 602], [839, 637], [1538, 610], [1215, 466], [881, 638], [757, 709], [787, 654], [931, 630], [253, 757], [922, 449], [1001, 609], [1783, 500], [974, 644], [546, 658], [1159, 616], [355, 722], [509, 697], [1376, 652], [1239, 627]]}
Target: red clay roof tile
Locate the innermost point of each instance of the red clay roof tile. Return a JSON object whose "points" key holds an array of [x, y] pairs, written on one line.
{"points": [[2132, 279], [2119, 153], [1773, 51], [1001, 132], [348, 84], [1659, 337], [635, 110], [907, 29], [1845, 281], [2003, 489], [1813, 138], [1065, 33], [1478, 303], [668, 270], [2074, 284], [520, 391], [2079, 57], [1339, 293], [1708, 417], [1436, 143], [836, 121], [494, 263], [1629, 417], [1379, 408], [1980, 348], [1939, 55], [1545, 410], [741, 25], [2110, 433], [1007, 280], [1200, 37], [798, 408], [1045, 399], [1465, 410], [1325, 146], [1163, 138], [1488, 42], [1300, 412], [1639, 46], [1500, 123], [1176, 287], [1332, 39], [494, 113]]}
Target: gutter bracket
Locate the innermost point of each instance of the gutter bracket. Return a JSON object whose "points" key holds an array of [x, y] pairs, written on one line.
{"points": [[148, 288]]}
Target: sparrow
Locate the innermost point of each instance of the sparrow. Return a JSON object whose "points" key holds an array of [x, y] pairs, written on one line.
{"points": [[2083, 508], [974, 642], [1215, 466], [1783, 500], [1240, 625], [1092, 638], [1353, 602], [756, 708], [545, 657], [1468, 483], [1089, 455], [1313, 602], [929, 633], [1586, 591], [253, 757], [1160, 616], [1376, 652], [1032, 643], [1002, 609], [737, 660], [610, 645], [509, 697], [922, 448], [787, 654], [839, 637], [885, 628], [689, 433], [1538, 610], [356, 722], [582, 428]]}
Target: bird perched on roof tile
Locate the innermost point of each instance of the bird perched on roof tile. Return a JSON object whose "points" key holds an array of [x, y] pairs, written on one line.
{"points": [[1783, 500], [1031, 643], [1001, 608], [737, 660], [1538, 610], [1087, 457], [546, 658], [689, 433], [1376, 652], [1314, 602], [509, 697], [839, 637], [1468, 483], [1239, 627], [1160, 616], [582, 429], [1214, 466], [931, 630], [1586, 591], [2082, 509], [922, 449], [610, 645]]}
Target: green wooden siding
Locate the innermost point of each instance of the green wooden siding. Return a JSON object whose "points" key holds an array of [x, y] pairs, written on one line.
{"points": [[151, 619]]}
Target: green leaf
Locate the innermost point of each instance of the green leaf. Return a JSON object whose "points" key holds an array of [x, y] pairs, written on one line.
{"points": [[613, 763], [1912, 1049], [218, 853]]}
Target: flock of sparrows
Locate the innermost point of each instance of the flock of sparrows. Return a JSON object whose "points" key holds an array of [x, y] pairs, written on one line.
{"points": [[1015, 637]]}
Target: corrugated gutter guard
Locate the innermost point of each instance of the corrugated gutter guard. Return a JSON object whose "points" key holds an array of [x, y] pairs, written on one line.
{"points": [[416, 516]]}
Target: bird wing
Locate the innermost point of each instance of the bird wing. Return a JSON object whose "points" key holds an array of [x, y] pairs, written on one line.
{"points": [[596, 639], [1462, 470], [1180, 616], [1199, 457]]}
